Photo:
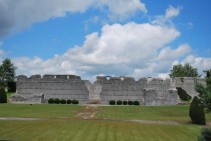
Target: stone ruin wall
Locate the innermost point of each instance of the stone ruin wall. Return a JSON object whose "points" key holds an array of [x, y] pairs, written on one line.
{"points": [[188, 83], [52, 86], [148, 91]]}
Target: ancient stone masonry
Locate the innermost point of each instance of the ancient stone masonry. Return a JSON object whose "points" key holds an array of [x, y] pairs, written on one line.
{"points": [[188, 83], [40, 89], [148, 91]]}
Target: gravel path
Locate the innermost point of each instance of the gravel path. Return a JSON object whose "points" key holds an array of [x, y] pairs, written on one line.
{"points": [[89, 112], [16, 118], [156, 122]]}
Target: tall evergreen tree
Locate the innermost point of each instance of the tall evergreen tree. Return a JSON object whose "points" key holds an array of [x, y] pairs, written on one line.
{"points": [[196, 112], [7, 72]]}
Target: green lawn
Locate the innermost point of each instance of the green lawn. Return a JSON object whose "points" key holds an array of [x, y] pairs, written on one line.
{"points": [[163, 113], [54, 126], [94, 130], [39, 110]]}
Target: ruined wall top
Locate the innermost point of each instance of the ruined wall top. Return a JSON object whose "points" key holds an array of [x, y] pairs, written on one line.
{"points": [[114, 79], [48, 77], [188, 79], [109, 79]]}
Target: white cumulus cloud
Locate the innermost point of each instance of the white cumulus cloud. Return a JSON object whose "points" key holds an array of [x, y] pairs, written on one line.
{"points": [[201, 63], [134, 49], [1, 50], [16, 15], [129, 49], [122, 9], [171, 54], [171, 12]]}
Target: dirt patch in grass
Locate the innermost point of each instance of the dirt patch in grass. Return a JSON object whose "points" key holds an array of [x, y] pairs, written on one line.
{"points": [[90, 113]]}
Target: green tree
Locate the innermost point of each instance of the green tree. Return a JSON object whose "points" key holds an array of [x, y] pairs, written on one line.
{"points": [[3, 96], [205, 134], [183, 71], [196, 112], [205, 91], [7, 72]]}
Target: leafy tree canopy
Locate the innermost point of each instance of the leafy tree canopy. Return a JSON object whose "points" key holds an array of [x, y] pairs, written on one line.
{"points": [[7, 72], [185, 70], [205, 90]]}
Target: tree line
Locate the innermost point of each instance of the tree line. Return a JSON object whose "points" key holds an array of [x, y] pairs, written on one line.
{"points": [[7, 78]]}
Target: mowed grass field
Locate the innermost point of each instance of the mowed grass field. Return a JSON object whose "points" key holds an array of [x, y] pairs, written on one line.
{"points": [[111, 123]]}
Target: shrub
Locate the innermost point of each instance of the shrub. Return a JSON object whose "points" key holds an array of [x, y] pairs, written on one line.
{"points": [[196, 112], [136, 102], [183, 94], [112, 102], [205, 135], [63, 101], [3, 96], [119, 102], [11, 86], [75, 101], [130, 102], [51, 101], [57, 101], [69, 101], [124, 102]]}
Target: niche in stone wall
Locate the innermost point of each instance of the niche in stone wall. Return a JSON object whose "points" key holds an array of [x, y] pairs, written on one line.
{"points": [[182, 79]]}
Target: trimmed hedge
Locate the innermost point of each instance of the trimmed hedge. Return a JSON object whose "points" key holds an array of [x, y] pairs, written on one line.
{"points": [[124, 102], [51, 101], [119, 102], [63, 101], [196, 112], [3, 96], [57, 101], [136, 102], [75, 101], [112, 102], [69, 101], [130, 102]]}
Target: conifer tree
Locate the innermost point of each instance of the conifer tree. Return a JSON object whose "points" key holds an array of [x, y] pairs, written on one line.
{"points": [[196, 112], [3, 96]]}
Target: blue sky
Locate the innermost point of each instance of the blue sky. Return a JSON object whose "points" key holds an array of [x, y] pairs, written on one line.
{"points": [[105, 37]]}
